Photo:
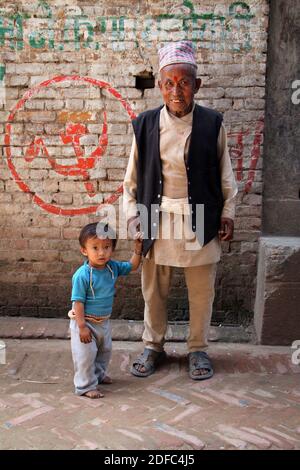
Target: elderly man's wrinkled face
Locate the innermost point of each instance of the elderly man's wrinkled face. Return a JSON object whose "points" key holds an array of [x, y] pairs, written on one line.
{"points": [[178, 85]]}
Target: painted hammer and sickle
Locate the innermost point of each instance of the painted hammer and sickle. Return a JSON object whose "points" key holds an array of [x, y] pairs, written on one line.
{"points": [[72, 136]]}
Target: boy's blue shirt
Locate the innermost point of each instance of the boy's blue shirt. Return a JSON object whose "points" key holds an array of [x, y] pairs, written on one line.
{"points": [[95, 288]]}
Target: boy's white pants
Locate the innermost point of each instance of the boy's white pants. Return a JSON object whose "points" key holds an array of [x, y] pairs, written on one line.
{"points": [[90, 359]]}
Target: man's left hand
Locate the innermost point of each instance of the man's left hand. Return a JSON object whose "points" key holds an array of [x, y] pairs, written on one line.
{"points": [[226, 229]]}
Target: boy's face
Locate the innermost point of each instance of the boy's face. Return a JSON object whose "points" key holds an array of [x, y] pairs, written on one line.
{"points": [[98, 251]]}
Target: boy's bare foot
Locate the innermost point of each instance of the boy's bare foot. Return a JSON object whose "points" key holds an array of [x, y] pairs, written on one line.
{"points": [[106, 380], [93, 394]]}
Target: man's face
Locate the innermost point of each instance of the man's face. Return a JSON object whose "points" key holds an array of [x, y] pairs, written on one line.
{"points": [[178, 85]]}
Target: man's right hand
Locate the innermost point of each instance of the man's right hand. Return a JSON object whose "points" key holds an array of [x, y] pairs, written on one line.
{"points": [[133, 226], [85, 334]]}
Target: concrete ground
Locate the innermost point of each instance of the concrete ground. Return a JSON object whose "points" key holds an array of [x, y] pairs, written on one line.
{"points": [[252, 402]]}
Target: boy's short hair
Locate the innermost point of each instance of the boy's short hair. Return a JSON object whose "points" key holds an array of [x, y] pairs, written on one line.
{"points": [[99, 230]]}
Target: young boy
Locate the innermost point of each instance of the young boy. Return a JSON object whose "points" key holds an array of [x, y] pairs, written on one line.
{"points": [[93, 288]]}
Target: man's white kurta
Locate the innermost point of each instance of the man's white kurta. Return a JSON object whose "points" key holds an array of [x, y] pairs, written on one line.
{"points": [[176, 247]]}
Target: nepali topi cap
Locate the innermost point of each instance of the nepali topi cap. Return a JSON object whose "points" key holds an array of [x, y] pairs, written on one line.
{"points": [[181, 52]]}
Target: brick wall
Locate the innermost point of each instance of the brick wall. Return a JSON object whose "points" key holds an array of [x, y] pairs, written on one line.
{"points": [[54, 122]]}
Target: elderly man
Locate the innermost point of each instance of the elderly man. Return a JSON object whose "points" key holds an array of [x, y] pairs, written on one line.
{"points": [[179, 162]]}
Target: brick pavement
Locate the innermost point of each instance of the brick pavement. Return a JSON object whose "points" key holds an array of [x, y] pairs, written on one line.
{"points": [[252, 402]]}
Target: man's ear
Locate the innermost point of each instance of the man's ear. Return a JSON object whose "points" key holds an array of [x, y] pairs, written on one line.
{"points": [[159, 84], [83, 251], [198, 84]]}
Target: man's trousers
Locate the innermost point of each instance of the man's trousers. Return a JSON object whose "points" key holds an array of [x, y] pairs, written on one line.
{"points": [[200, 281]]}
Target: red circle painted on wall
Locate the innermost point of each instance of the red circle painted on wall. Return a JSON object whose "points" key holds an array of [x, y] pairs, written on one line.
{"points": [[72, 135]]}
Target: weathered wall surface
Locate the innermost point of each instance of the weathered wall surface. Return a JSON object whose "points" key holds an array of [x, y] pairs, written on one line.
{"points": [[277, 313], [281, 205], [67, 95]]}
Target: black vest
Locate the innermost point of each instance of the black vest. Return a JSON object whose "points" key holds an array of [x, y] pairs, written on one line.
{"points": [[202, 167]]}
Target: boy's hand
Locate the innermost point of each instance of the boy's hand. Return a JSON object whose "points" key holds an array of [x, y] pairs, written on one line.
{"points": [[135, 260], [138, 242], [85, 334]]}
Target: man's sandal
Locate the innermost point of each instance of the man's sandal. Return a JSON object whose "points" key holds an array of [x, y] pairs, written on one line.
{"points": [[200, 360], [149, 359]]}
